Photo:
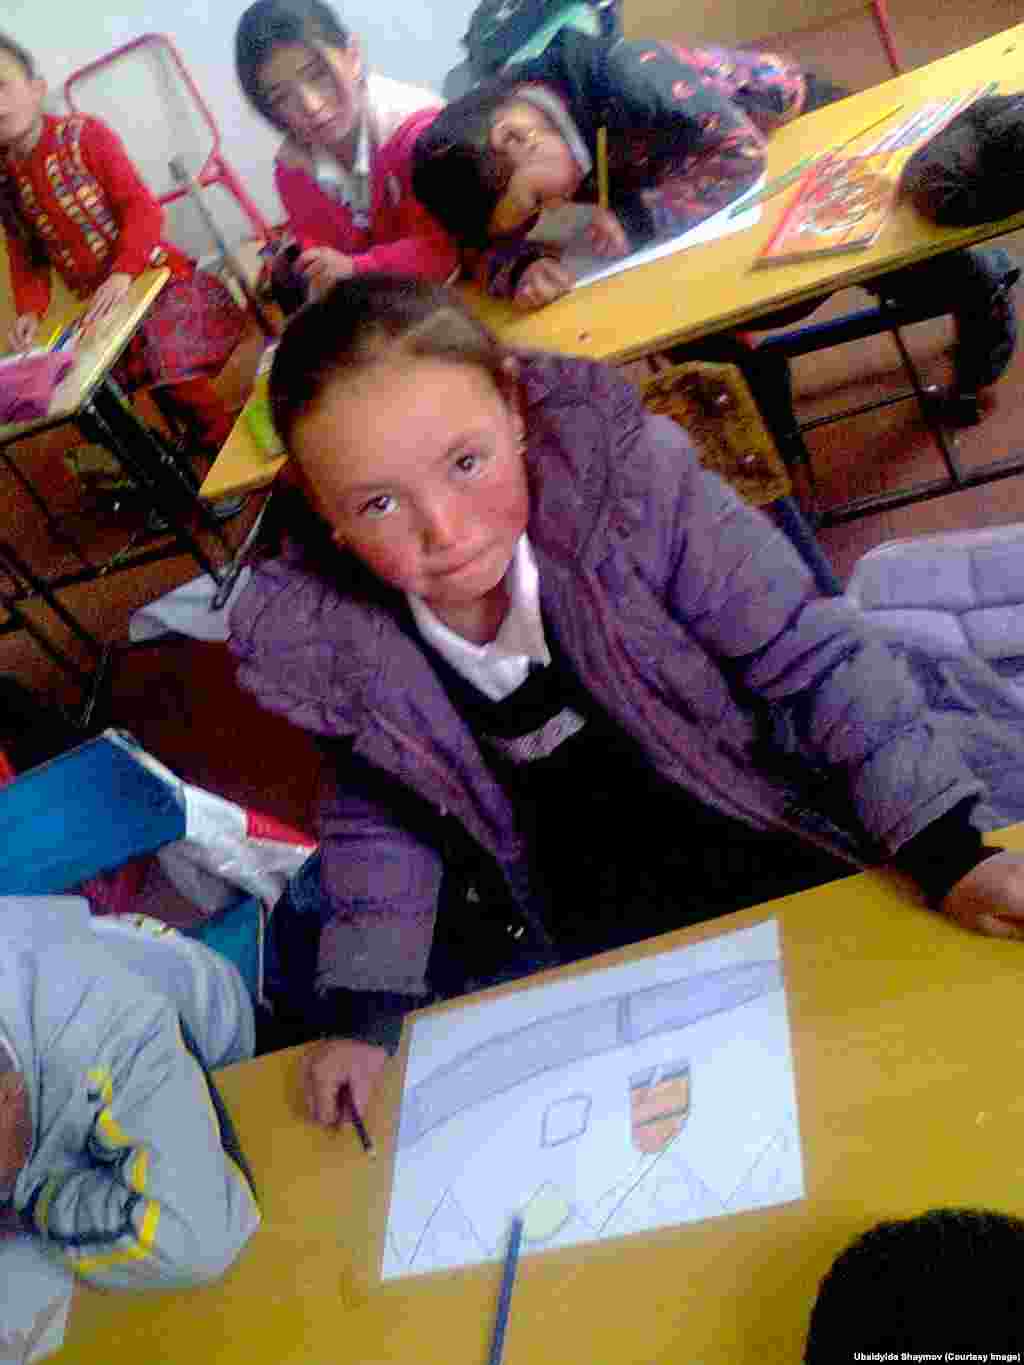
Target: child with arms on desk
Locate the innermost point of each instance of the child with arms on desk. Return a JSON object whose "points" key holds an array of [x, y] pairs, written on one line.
{"points": [[115, 1148], [685, 133], [71, 200], [343, 172], [573, 692]]}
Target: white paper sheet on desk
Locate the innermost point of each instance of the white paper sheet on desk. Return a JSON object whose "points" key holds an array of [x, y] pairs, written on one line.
{"points": [[35, 1295], [641, 1096], [568, 224]]}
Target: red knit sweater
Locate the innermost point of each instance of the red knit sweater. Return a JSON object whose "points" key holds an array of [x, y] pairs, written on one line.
{"points": [[89, 207]]}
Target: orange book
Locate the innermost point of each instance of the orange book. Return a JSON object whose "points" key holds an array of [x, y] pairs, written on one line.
{"points": [[843, 202]]}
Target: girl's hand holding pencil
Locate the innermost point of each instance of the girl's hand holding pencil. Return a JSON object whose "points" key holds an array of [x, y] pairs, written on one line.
{"points": [[605, 235], [338, 1078]]}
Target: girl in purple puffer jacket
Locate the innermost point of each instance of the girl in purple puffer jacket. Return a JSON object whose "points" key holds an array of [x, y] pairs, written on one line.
{"points": [[573, 691]]}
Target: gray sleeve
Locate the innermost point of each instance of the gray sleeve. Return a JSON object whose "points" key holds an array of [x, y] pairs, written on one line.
{"points": [[159, 1201]]}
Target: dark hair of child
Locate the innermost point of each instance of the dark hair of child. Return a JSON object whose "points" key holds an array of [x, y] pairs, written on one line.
{"points": [[361, 320], [946, 1281], [10, 212], [457, 174], [273, 23]]}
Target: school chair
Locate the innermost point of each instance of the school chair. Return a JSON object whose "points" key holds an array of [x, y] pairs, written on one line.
{"points": [[169, 119], [713, 404]]}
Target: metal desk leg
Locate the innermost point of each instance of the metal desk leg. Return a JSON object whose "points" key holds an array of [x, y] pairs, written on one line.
{"points": [[28, 584], [154, 468], [792, 521]]}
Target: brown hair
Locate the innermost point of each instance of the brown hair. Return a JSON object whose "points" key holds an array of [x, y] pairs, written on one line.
{"points": [[360, 321], [12, 219]]}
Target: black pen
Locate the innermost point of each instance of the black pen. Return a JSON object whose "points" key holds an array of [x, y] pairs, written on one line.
{"points": [[360, 1126]]}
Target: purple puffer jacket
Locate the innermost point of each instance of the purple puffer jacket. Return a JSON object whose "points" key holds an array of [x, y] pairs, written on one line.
{"points": [[659, 583]]}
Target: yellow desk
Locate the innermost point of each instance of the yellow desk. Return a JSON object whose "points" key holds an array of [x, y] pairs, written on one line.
{"points": [[94, 357], [710, 288], [241, 466], [907, 1054], [88, 396]]}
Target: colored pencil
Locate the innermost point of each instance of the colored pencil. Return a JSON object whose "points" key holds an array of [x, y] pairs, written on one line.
{"points": [[783, 182], [508, 1276], [602, 167]]}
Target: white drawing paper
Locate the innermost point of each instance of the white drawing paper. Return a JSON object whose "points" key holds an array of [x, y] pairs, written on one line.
{"points": [[567, 225], [655, 1093], [35, 1295]]}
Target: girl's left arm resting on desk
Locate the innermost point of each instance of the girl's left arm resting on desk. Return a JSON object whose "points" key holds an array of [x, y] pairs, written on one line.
{"points": [[139, 216]]}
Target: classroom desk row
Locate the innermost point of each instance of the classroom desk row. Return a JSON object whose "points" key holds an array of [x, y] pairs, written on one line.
{"points": [[89, 397], [712, 288], [906, 1056]]}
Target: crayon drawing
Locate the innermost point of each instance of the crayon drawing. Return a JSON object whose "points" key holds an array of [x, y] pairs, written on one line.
{"points": [[654, 1093]]}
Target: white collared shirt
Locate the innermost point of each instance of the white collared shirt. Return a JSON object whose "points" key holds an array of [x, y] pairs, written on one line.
{"points": [[500, 666], [350, 187]]}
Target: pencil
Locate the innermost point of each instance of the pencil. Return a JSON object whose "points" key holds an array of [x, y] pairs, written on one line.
{"points": [[360, 1126], [602, 167], [783, 182], [508, 1276]]}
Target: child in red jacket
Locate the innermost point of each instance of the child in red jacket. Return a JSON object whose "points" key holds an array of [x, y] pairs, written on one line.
{"points": [[71, 200], [344, 169]]}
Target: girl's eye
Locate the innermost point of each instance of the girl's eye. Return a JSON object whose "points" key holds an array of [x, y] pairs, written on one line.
{"points": [[379, 506], [470, 463]]}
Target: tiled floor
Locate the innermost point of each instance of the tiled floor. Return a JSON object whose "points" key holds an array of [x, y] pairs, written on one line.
{"points": [[179, 697]]}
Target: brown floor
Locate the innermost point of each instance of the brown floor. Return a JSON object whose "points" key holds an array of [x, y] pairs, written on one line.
{"points": [[179, 697]]}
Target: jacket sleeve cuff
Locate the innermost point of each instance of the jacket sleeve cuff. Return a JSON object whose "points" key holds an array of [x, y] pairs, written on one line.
{"points": [[371, 1016], [943, 852]]}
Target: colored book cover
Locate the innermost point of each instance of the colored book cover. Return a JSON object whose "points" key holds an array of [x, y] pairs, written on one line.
{"points": [[842, 203]]}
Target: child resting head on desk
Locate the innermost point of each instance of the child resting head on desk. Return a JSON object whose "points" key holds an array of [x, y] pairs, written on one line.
{"points": [[115, 1147], [685, 136], [343, 172], [572, 691], [72, 201], [947, 1281], [684, 130]]}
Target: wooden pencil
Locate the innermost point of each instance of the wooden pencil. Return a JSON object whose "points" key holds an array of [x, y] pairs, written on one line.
{"points": [[602, 166]]}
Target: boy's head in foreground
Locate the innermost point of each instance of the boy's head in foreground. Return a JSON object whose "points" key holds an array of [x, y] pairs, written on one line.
{"points": [[949, 1280]]}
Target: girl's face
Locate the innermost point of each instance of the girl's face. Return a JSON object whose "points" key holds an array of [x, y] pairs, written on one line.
{"points": [[316, 90], [544, 171], [418, 466], [21, 101]]}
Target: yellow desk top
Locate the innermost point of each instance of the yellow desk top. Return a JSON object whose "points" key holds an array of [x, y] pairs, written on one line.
{"points": [[907, 1055], [241, 465], [98, 352]]}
